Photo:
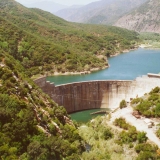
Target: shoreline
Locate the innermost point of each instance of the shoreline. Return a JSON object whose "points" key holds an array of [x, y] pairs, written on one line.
{"points": [[125, 51], [84, 72], [78, 73], [69, 73], [148, 46]]}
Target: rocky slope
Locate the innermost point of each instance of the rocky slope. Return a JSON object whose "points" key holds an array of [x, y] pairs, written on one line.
{"points": [[144, 19], [100, 12]]}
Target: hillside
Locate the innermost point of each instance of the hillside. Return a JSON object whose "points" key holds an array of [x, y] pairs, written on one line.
{"points": [[32, 126], [144, 19], [45, 43], [100, 12]]}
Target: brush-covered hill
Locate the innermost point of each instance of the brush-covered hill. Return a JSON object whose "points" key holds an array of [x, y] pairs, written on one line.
{"points": [[144, 19], [32, 126], [100, 12], [45, 43]]}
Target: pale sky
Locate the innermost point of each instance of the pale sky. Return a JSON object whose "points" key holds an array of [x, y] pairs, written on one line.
{"points": [[64, 2]]}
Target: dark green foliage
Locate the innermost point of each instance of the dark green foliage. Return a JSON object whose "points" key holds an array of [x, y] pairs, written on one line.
{"points": [[146, 151], [144, 107], [123, 104], [131, 135], [142, 137], [121, 122], [150, 106], [136, 100], [107, 134], [128, 137], [155, 90]]}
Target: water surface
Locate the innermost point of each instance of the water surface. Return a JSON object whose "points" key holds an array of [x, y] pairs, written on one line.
{"points": [[126, 66], [85, 116]]}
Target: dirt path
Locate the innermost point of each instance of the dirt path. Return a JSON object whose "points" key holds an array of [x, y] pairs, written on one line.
{"points": [[138, 123]]}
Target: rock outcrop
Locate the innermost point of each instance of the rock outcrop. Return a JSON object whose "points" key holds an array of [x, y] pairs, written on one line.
{"points": [[99, 12], [144, 19]]}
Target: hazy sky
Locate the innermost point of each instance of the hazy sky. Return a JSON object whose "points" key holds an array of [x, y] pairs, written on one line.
{"points": [[65, 2]]}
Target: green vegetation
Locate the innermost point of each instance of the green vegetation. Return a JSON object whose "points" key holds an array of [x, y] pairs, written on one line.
{"points": [[45, 43], [149, 105], [151, 40], [123, 104], [146, 151], [138, 139], [32, 126], [101, 139], [132, 135], [120, 144], [121, 122]]}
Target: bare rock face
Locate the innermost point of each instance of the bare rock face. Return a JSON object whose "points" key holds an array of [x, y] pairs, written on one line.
{"points": [[100, 12], [144, 19]]}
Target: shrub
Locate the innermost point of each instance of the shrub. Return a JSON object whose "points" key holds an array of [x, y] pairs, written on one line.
{"points": [[136, 100], [123, 104], [155, 90], [142, 137], [107, 134], [121, 122]]}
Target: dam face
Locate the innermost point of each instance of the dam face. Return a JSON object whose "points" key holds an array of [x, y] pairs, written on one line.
{"points": [[97, 94]]}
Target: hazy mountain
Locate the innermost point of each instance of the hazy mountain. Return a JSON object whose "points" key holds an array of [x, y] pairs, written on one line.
{"points": [[100, 12], [144, 19], [46, 6]]}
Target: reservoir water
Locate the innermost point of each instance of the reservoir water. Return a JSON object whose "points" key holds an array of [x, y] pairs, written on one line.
{"points": [[84, 116], [126, 66]]}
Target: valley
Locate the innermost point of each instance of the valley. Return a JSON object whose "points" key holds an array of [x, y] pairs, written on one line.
{"points": [[34, 115]]}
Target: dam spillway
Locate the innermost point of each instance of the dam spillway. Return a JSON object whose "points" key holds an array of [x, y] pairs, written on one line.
{"points": [[97, 94]]}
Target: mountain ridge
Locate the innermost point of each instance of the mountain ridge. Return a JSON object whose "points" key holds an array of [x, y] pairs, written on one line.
{"points": [[101, 12], [143, 19]]}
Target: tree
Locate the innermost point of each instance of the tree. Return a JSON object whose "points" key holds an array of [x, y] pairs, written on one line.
{"points": [[107, 134], [123, 104], [142, 137]]}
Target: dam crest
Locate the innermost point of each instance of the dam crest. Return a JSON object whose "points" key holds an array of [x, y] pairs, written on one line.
{"points": [[98, 94]]}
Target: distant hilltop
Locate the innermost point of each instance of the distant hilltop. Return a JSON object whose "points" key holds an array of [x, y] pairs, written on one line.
{"points": [[143, 19]]}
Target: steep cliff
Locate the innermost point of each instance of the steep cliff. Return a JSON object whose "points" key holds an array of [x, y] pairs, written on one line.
{"points": [[143, 19]]}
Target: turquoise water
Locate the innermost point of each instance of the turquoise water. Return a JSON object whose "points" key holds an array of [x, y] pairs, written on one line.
{"points": [[84, 116], [126, 66]]}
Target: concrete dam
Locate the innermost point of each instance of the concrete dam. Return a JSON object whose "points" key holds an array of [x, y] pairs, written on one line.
{"points": [[98, 94]]}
